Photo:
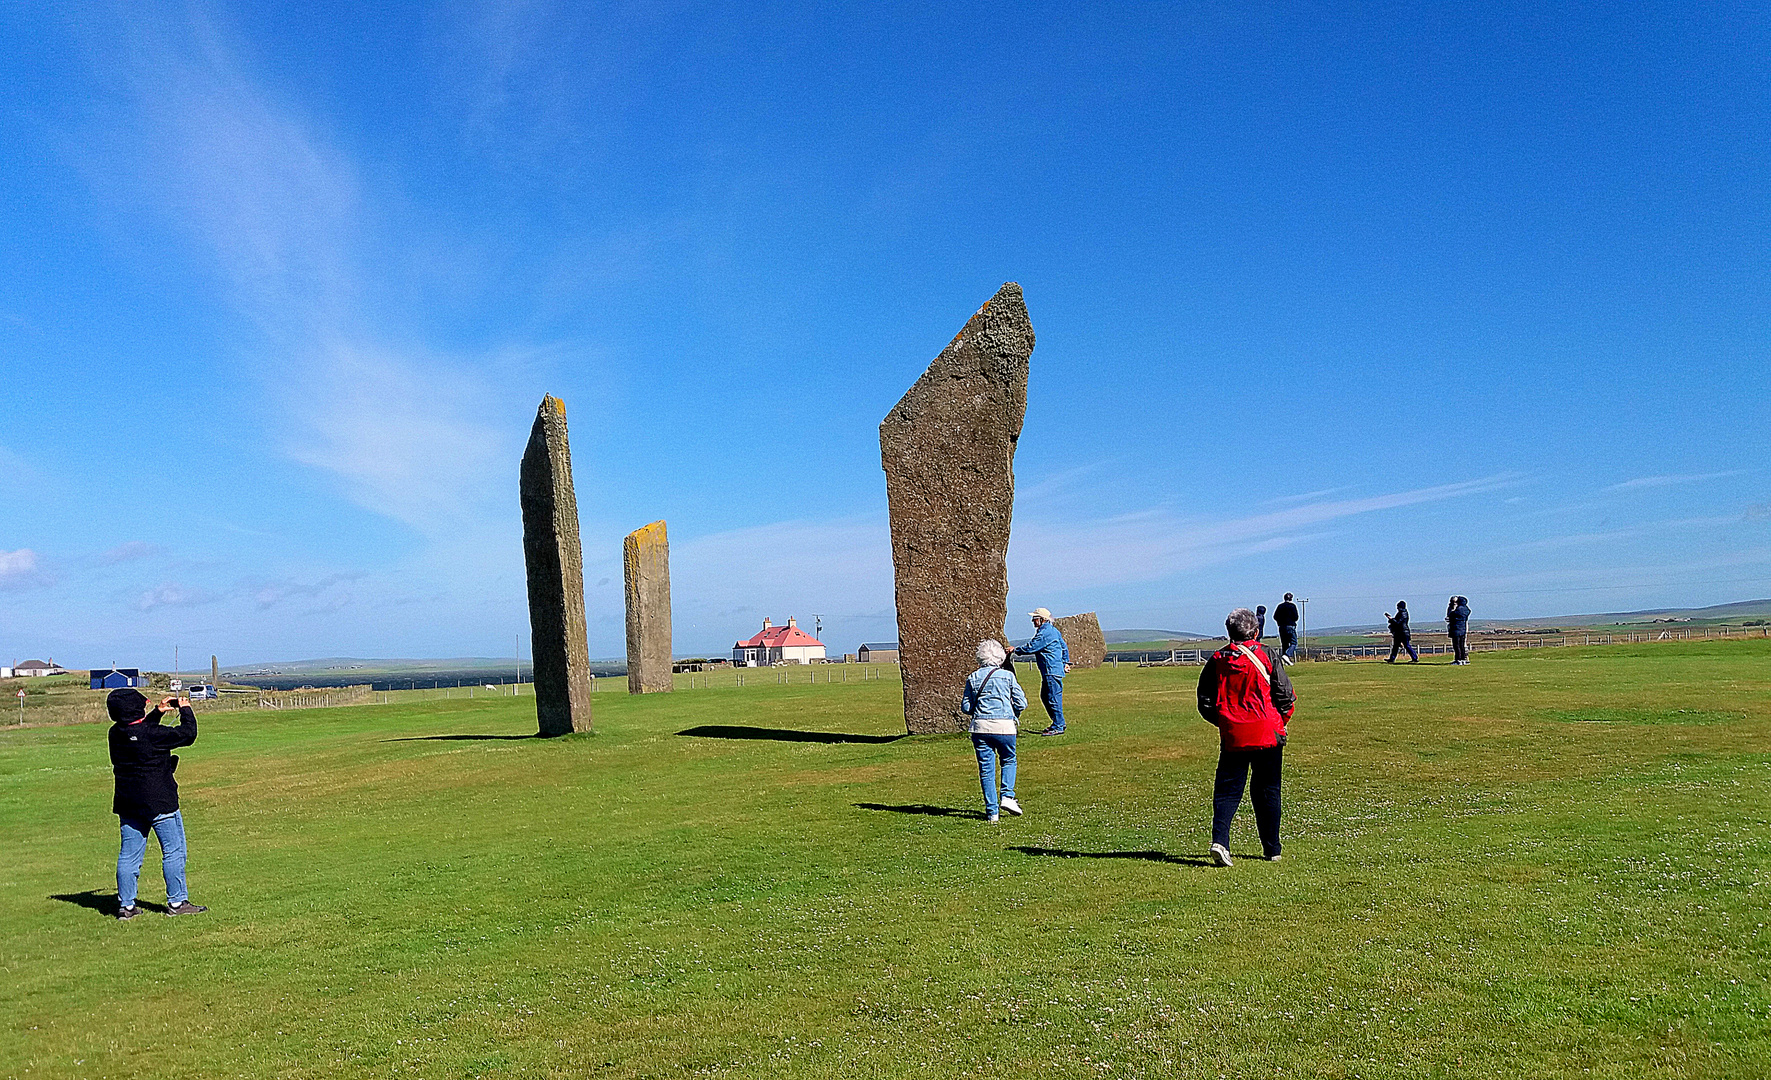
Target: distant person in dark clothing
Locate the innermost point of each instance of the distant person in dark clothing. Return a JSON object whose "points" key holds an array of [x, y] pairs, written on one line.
{"points": [[1457, 625], [1260, 622], [1399, 635], [1048, 650], [147, 796], [1285, 616], [1248, 698]]}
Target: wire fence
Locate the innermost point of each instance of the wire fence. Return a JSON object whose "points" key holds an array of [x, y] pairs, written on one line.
{"points": [[1483, 643]]}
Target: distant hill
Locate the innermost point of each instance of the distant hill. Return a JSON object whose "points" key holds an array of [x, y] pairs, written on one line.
{"points": [[1120, 637], [1426, 620]]}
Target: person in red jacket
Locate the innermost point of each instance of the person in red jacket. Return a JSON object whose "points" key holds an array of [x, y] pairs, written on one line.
{"points": [[1247, 695]]}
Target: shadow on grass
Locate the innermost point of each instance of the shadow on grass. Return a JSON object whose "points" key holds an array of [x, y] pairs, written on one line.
{"points": [[105, 903], [918, 808], [739, 731], [463, 738], [1147, 856]]}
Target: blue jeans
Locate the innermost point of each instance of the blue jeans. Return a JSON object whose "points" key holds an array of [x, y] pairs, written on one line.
{"points": [[1288, 641], [990, 748], [1051, 695], [170, 829]]}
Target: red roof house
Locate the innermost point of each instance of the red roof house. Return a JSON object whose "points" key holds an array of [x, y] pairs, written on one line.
{"points": [[778, 645]]}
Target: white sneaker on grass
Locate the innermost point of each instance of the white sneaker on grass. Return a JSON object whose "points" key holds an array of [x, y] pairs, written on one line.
{"points": [[1220, 854], [991, 819], [1011, 806]]}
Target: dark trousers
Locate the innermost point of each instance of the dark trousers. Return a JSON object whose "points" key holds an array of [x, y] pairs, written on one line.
{"points": [[1288, 641], [1402, 643], [1460, 645], [1233, 769]]}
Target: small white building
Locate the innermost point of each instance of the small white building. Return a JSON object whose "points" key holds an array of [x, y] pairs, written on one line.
{"points": [[32, 668], [778, 645]]}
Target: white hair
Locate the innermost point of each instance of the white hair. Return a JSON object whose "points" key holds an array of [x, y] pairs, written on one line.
{"points": [[992, 653]]}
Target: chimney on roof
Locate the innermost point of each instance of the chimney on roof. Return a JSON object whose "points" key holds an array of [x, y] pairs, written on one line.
{"points": [[791, 621], [766, 622]]}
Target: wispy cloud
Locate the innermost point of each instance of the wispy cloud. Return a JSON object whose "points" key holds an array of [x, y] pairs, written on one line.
{"points": [[173, 595], [22, 569], [1668, 481], [289, 221], [1158, 543], [129, 552], [324, 591]]}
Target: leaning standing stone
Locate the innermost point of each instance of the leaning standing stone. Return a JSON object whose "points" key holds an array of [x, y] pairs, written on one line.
{"points": [[948, 449], [645, 563], [1083, 637], [555, 563]]}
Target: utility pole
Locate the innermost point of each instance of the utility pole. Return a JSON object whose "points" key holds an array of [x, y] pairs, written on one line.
{"points": [[1304, 629], [518, 690], [818, 631]]}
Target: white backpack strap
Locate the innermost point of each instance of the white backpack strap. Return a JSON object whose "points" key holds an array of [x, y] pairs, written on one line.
{"points": [[1258, 666]]}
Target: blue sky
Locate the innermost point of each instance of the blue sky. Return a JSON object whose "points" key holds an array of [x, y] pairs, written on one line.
{"points": [[1400, 302]]}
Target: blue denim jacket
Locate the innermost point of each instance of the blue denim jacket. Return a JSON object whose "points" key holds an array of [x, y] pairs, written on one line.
{"points": [[994, 699], [1048, 651]]}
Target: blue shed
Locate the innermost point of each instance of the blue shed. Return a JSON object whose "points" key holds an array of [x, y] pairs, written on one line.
{"points": [[117, 678]]}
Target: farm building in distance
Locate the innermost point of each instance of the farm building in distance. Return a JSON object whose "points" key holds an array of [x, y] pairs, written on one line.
{"points": [[878, 652], [778, 645], [32, 668], [117, 678]]}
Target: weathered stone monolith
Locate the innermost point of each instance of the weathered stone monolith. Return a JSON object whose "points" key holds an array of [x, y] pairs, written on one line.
{"points": [[948, 449], [1083, 637], [645, 563], [556, 576]]}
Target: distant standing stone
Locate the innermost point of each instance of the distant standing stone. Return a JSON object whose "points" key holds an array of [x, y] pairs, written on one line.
{"points": [[1083, 637], [948, 449], [555, 563], [645, 563]]}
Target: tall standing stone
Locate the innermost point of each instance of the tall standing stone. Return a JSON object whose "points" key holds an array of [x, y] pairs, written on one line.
{"points": [[948, 449], [555, 562], [645, 563], [1083, 637]]}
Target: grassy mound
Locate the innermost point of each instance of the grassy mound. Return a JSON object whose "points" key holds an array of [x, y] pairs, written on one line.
{"points": [[1547, 863]]}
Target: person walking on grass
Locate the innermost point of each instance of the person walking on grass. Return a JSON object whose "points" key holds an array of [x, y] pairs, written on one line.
{"points": [[146, 798], [1399, 635], [1285, 616], [994, 700], [1260, 622], [1048, 650], [1457, 625], [1248, 697]]}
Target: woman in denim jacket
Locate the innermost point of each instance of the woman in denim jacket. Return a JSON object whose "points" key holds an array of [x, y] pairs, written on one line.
{"points": [[993, 699]]}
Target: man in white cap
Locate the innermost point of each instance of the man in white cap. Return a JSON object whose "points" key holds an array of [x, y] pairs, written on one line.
{"points": [[1053, 657]]}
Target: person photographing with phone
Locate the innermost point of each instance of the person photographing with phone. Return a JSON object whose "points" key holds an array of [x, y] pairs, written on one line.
{"points": [[147, 796]]}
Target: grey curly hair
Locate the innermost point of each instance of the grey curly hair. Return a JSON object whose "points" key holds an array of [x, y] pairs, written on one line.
{"points": [[1241, 624], [992, 653]]}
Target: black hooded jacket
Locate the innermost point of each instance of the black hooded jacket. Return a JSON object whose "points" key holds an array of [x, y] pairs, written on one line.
{"points": [[143, 761], [1399, 624]]}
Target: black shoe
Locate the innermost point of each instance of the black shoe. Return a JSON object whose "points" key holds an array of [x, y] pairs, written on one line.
{"points": [[1052, 731], [185, 907], [125, 914]]}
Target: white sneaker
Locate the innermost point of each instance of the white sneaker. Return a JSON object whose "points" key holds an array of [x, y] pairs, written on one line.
{"points": [[1011, 806], [1220, 855], [991, 820]]}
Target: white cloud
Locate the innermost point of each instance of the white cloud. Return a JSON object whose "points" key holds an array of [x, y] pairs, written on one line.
{"points": [[1158, 543], [172, 595], [1667, 481], [129, 552], [286, 217], [22, 569]]}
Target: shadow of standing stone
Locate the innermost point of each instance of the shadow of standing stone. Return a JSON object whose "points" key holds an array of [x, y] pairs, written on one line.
{"points": [[1083, 637], [555, 564], [948, 450], [645, 564]]}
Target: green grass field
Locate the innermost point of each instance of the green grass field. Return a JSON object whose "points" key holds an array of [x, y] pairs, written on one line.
{"points": [[1551, 863]]}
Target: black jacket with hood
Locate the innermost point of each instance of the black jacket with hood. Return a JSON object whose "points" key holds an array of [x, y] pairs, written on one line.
{"points": [[142, 757]]}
